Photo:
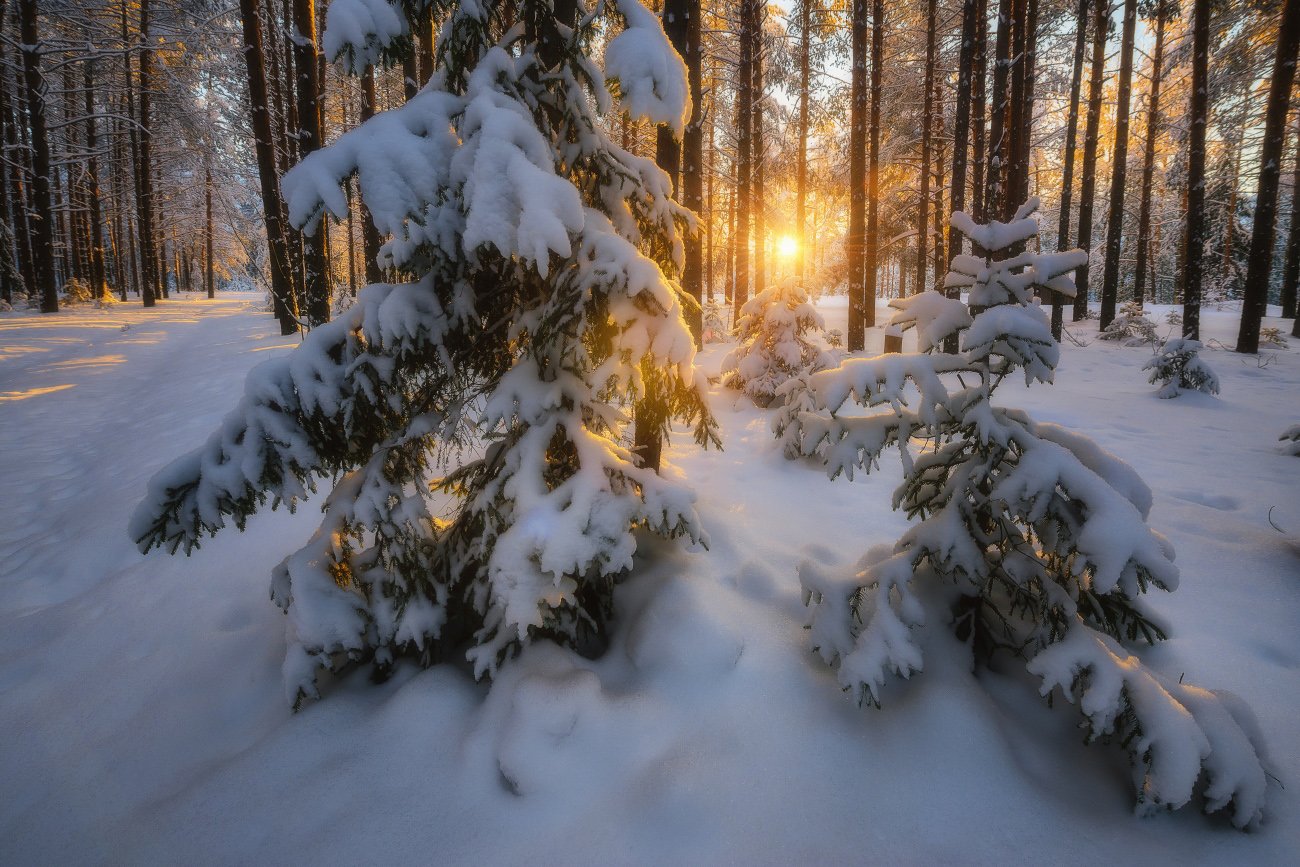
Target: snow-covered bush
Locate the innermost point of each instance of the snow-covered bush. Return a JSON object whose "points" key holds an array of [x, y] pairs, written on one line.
{"points": [[774, 345], [714, 322], [1290, 440], [1028, 536], [1132, 326], [1272, 338], [540, 293], [1178, 366], [834, 338]]}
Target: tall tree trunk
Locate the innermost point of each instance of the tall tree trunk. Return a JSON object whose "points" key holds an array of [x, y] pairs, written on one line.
{"points": [[1149, 157], [369, 234], [873, 166], [693, 170], [1199, 111], [961, 125], [264, 148], [1291, 271], [144, 165], [744, 166], [927, 129], [1119, 170], [937, 213], [801, 164], [209, 266], [98, 273], [43, 206], [857, 178], [309, 140], [11, 172], [1270, 173], [1088, 190], [1071, 142], [997, 143], [759, 155], [978, 100]]}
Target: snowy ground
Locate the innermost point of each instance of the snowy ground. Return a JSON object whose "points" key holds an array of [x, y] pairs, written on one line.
{"points": [[144, 720]]}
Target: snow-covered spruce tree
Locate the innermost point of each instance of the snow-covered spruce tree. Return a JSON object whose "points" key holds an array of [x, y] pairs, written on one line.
{"points": [[774, 343], [540, 259], [1132, 326], [1029, 536], [1178, 366]]}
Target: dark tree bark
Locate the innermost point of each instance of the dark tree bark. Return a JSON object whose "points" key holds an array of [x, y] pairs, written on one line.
{"points": [[759, 154], [42, 218], [873, 166], [997, 143], [1270, 172], [369, 234], [1149, 156], [1199, 111], [315, 275], [144, 167], [978, 100], [693, 170], [801, 168], [1072, 128], [1119, 170], [927, 130], [1291, 271], [857, 179], [264, 147], [1087, 193], [209, 267], [98, 272], [961, 124], [744, 165], [11, 172]]}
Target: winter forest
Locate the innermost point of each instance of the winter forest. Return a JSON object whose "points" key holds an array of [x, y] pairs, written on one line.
{"points": [[667, 431]]}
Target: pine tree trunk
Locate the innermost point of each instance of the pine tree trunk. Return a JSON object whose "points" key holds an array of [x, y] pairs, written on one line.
{"points": [[744, 166], [143, 166], [759, 155], [873, 166], [43, 206], [801, 166], [927, 129], [1291, 271], [11, 172], [693, 171], [937, 212], [961, 127], [98, 272], [369, 234], [997, 143], [264, 148], [316, 284], [1199, 112], [978, 101], [1149, 158], [1260, 263], [1119, 170], [1071, 135], [1087, 192], [857, 180]]}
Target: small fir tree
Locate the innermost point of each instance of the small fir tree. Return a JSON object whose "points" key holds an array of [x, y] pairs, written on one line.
{"points": [[1029, 536], [540, 293], [1132, 326], [775, 345], [1178, 366]]}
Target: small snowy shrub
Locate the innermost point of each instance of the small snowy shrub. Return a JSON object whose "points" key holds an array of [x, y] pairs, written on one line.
{"points": [[834, 338], [774, 343], [539, 295], [715, 323], [1131, 326], [1177, 366], [76, 291], [1029, 538], [1272, 338], [1290, 440]]}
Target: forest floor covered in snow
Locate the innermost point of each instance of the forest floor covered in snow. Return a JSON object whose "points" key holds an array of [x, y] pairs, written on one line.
{"points": [[145, 722]]}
